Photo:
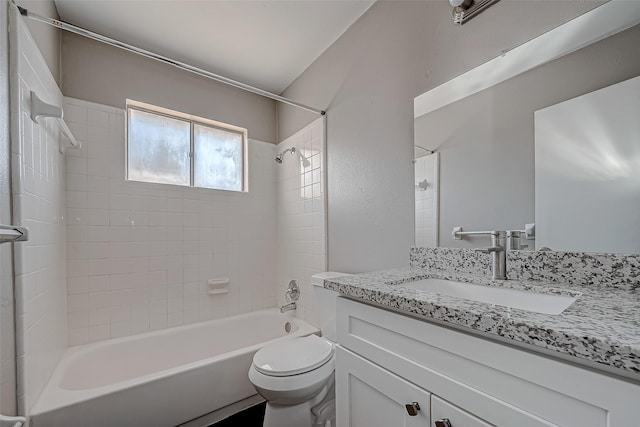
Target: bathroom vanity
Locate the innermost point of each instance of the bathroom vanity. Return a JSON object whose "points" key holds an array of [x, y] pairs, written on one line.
{"points": [[387, 361], [411, 358]]}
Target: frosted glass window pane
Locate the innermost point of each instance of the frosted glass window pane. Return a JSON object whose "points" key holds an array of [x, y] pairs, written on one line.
{"points": [[158, 148], [218, 158]]}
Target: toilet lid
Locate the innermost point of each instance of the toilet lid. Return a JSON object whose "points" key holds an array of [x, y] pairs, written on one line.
{"points": [[294, 356]]}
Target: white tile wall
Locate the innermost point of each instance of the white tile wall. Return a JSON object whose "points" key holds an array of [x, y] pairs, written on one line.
{"points": [[38, 204], [301, 216], [140, 254], [426, 209]]}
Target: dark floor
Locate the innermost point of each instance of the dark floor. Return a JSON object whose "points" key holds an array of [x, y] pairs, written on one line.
{"points": [[250, 417]]}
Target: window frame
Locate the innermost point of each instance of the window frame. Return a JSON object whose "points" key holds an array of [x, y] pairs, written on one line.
{"points": [[192, 121]]}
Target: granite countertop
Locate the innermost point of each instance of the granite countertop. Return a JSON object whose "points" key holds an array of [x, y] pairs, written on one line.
{"points": [[601, 326]]}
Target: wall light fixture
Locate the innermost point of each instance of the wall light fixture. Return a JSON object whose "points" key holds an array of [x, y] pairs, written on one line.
{"points": [[464, 10]]}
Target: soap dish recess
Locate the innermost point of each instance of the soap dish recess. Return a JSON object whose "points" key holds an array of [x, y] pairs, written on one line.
{"points": [[218, 286]]}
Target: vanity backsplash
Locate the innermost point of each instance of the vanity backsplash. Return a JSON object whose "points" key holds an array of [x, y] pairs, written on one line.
{"points": [[573, 268]]}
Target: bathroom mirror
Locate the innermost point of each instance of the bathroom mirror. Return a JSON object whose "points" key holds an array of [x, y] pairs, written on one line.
{"points": [[481, 125]]}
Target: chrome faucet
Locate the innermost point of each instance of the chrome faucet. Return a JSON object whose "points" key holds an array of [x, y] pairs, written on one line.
{"points": [[497, 250], [514, 240], [514, 237], [288, 307]]}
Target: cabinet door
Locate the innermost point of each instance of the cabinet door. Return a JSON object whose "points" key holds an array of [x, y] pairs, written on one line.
{"points": [[370, 396], [457, 417]]}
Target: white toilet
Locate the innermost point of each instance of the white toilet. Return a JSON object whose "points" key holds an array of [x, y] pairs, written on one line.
{"points": [[296, 376]]}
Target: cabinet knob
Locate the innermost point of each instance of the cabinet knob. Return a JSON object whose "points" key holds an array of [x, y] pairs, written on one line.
{"points": [[443, 422], [412, 408]]}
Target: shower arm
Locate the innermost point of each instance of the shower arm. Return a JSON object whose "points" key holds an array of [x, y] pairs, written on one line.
{"points": [[280, 157]]}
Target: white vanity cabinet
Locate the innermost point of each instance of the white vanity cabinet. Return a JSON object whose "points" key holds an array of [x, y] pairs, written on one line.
{"points": [[386, 360], [373, 396]]}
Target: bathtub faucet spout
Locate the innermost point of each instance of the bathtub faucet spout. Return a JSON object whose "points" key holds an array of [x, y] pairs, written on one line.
{"points": [[288, 307]]}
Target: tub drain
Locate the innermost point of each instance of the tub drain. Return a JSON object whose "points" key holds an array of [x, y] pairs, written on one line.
{"points": [[287, 327]]}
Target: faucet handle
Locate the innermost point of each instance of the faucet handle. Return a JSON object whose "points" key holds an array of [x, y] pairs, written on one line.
{"points": [[293, 292]]}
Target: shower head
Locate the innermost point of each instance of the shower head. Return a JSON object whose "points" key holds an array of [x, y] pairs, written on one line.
{"points": [[280, 156], [305, 162]]}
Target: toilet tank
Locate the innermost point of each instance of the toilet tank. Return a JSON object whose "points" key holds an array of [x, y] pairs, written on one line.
{"points": [[326, 303]]}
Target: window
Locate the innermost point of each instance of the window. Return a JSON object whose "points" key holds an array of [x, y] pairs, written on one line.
{"points": [[169, 147]]}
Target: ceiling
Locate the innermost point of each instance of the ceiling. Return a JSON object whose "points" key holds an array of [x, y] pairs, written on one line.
{"points": [[265, 43]]}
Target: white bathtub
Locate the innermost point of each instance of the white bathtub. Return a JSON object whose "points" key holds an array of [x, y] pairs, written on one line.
{"points": [[162, 378]]}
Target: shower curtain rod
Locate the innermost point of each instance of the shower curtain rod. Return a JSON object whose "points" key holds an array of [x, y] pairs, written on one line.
{"points": [[181, 65]]}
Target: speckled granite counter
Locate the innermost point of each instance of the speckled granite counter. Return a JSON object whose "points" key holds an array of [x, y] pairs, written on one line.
{"points": [[601, 326]]}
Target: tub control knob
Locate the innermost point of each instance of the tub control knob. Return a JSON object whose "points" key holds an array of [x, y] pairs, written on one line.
{"points": [[412, 408], [293, 292], [444, 422]]}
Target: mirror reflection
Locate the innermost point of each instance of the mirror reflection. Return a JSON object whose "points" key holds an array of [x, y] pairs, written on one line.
{"points": [[485, 147], [587, 167]]}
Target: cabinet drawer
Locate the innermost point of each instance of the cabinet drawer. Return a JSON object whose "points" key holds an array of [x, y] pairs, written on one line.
{"points": [[370, 396], [457, 417], [500, 384]]}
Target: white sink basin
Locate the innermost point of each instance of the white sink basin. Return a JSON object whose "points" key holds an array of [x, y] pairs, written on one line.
{"points": [[523, 300]]}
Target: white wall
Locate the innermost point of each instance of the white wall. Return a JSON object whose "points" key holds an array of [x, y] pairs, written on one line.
{"points": [[100, 73], [367, 81], [140, 254], [38, 203], [301, 216]]}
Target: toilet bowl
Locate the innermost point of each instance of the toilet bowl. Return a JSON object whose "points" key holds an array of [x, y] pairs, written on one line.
{"points": [[296, 376]]}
